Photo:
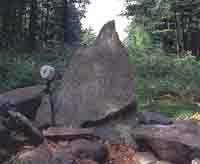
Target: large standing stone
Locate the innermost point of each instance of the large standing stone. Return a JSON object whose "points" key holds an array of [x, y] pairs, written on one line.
{"points": [[98, 82]]}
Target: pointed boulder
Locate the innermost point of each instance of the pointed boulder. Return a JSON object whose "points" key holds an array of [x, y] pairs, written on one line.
{"points": [[98, 83]]}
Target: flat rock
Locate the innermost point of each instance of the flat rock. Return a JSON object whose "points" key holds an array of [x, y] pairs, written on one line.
{"points": [[26, 100], [67, 133], [98, 83], [121, 134], [176, 143], [163, 162], [116, 134]]}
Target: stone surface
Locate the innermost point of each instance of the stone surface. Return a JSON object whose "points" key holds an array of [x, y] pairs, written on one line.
{"points": [[120, 154], [67, 133], [119, 130], [87, 162], [41, 155], [63, 156], [85, 149], [145, 158], [162, 162], [98, 83], [4, 154], [15, 130], [153, 118], [44, 155], [43, 117], [176, 143], [125, 133], [26, 100], [9, 142]]}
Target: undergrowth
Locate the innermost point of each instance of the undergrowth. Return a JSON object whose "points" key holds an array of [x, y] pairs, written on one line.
{"points": [[160, 78], [159, 74], [20, 68]]}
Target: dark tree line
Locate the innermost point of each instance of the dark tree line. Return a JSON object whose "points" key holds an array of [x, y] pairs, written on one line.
{"points": [[172, 24], [33, 23]]}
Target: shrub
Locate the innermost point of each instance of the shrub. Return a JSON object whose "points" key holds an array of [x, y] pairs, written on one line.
{"points": [[20, 69], [157, 72]]}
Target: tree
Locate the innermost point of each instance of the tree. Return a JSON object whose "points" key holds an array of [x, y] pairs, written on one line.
{"points": [[146, 16], [33, 24], [40, 22], [172, 23], [88, 37], [138, 37]]}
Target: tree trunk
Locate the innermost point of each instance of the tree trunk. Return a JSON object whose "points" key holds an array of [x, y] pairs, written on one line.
{"points": [[42, 22], [65, 21], [33, 24], [178, 35], [183, 31], [46, 22], [6, 23]]}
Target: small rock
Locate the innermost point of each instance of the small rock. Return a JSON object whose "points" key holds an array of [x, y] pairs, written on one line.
{"points": [[85, 149], [145, 158], [153, 118], [195, 161], [63, 143]]}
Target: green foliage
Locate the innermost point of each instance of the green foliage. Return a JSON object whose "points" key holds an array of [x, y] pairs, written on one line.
{"points": [[38, 23], [19, 69], [158, 73], [148, 11], [88, 37], [138, 37], [171, 109], [146, 16]]}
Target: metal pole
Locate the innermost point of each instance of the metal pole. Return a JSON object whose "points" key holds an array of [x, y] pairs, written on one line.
{"points": [[53, 121]]}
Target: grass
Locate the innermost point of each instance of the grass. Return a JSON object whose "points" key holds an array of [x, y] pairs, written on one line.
{"points": [[171, 109], [161, 79]]}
